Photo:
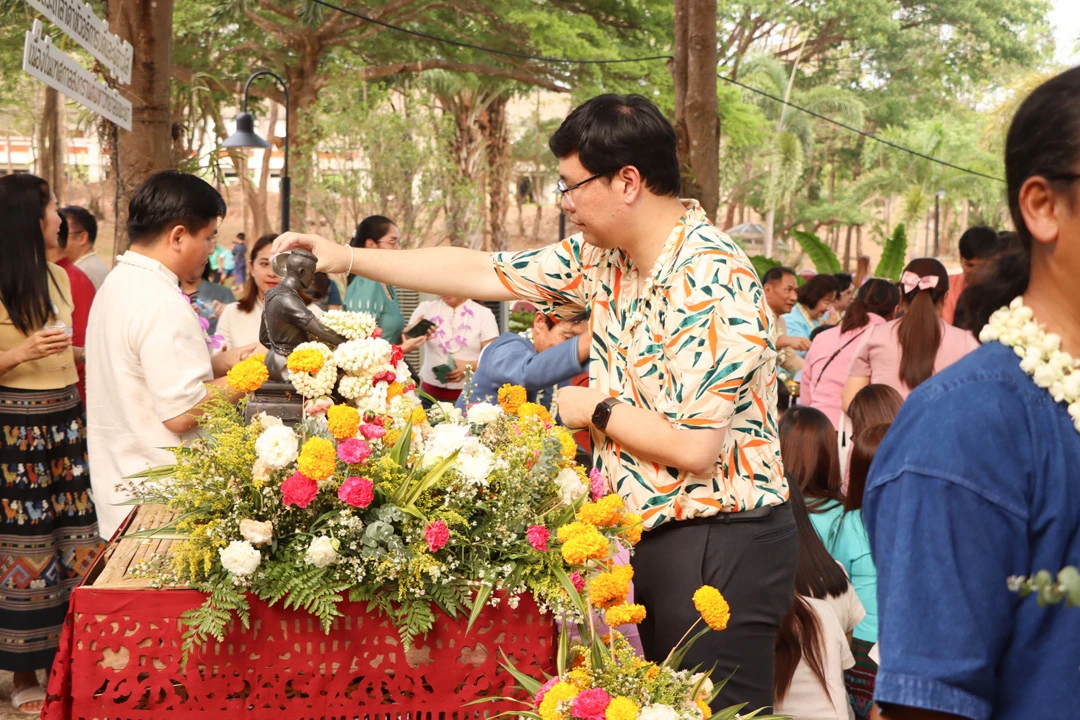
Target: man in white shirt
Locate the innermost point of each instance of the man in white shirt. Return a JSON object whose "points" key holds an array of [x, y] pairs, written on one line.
{"points": [[82, 234], [148, 365], [462, 329]]}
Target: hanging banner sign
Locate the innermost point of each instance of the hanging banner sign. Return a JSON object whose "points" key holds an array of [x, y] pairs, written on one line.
{"points": [[56, 68], [78, 21]]}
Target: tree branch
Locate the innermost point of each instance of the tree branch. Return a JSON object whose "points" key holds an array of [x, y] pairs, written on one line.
{"points": [[380, 71]]}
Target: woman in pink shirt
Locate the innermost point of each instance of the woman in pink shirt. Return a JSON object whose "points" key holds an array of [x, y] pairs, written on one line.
{"points": [[904, 353], [826, 368]]}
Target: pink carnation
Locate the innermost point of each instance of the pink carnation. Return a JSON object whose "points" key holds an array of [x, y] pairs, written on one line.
{"points": [[597, 484], [544, 690], [299, 490], [591, 704], [353, 451], [357, 491], [372, 432], [577, 580], [437, 535], [538, 536]]}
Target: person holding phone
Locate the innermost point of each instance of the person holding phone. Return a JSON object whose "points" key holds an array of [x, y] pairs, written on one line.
{"points": [[460, 329]]}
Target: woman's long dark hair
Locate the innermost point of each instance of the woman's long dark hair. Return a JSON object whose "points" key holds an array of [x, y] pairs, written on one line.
{"points": [[874, 405], [920, 331], [251, 290], [863, 450], [1043, 141], [808, 449], [875, 296], [24, 272], [372, 227]]}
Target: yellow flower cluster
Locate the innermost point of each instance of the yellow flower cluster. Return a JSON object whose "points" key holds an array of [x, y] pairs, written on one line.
{"points": [[531, 409], [549, 707], [611, 588], [391, 437], [393, 390], [713, 607], [511, 397], [318, 459], [706, 711], [605, 512], [580, 678], [566, 439], [632, 527], [343, 421], [582, 542], [308, 360], [621, 708], [248, 375], [624, 615], [419, 416]]}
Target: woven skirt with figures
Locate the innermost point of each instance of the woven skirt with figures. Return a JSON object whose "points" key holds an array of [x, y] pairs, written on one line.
{"points": [[48, 530]]}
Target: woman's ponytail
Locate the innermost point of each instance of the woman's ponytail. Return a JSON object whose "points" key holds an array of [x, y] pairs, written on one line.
{"points": [[925, 283]]}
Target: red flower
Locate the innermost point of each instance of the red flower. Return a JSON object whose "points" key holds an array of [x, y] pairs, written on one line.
{"points": [[299, 490], [377, 333], [386, 376], [372, 432], [437, 535], [396, 354], [538, 537], [357, 491]]}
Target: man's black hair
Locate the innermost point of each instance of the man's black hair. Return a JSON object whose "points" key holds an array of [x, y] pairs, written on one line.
{"points": [[83, 218], [168, 199]]}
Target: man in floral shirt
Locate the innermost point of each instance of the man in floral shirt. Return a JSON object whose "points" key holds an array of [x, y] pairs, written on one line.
{"points": [[682, 395]]}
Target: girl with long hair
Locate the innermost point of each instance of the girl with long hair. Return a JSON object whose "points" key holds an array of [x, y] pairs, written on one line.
{"points": [[903, 353], [808, 449], [48, 530]]}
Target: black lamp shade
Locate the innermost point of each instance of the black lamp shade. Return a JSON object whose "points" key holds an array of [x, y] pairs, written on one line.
{"points": [[245, 136]]}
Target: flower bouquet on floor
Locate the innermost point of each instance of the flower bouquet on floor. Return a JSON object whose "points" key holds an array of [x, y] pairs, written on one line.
{"points": [[601, 677], [375, 500]]}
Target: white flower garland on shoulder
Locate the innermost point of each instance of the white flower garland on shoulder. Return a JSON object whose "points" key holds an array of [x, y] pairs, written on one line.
{"points": [[1040, 353]]}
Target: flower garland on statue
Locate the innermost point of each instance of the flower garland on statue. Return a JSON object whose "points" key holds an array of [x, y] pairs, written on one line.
{"points": [[1040, 353]]}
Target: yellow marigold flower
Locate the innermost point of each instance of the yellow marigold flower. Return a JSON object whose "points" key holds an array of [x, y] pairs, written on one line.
{"points": [[549, 708], [632, 527], [605, 512], [248, 375], [511, 398], [530, 409], [588, 545], [569, 446], [652, 672], [419, 416], [706, 711], [391, 437], [621, 708], [308, 360], [712, 606], [393, 390], [568, 532], [343, 421], [611, 588], [318, 459], [624, 615], [580, 678]]}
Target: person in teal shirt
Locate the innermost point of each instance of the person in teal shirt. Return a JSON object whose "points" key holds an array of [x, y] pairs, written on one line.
{"points": [[373, 297], [816, 296]]}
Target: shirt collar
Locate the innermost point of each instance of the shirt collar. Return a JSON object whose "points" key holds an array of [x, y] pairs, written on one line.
{"points": [[147, 263]]}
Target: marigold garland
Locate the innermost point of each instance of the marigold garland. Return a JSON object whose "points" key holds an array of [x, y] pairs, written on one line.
{"points": [[624, 615], [318, 459], [610, 589], [343, 421], [419, 416], [713, 607], [393, 390], [248, 375], [307, 360], [605, 512], [511, 397]]}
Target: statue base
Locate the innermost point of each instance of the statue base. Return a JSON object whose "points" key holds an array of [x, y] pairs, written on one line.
{"points": [[278, 399]]}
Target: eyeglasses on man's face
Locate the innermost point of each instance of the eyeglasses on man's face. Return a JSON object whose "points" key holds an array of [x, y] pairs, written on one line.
{"points": [[563, 188]]}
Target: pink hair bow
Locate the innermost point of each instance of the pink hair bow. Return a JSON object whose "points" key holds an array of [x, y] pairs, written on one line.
{"points": [[910, 281]]}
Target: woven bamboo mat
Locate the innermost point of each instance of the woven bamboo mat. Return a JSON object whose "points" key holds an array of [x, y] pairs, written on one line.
{"points": [[128, 552]]}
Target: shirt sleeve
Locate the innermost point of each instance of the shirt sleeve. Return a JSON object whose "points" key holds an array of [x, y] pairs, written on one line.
{"points": [[860, 360], [549, 277], [806, 386], [513, 363], [225, 326], [489, 328], [174, 359], [717, 340]]}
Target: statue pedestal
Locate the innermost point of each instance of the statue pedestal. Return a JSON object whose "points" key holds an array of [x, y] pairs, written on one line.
{"points": [[278, 399]]}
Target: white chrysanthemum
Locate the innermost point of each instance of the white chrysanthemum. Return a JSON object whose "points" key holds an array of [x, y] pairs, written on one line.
{"points": [[313, 386], [443, 440], [255, 532], [363, 357], [475, 462], [352, 325], [658, 712], [322, 551], [483, 413], [570, 486], [447, 412], [277, 446], [240, 558]]}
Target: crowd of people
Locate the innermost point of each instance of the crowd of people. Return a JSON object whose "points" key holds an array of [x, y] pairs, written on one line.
{"points": [[861, 520]]}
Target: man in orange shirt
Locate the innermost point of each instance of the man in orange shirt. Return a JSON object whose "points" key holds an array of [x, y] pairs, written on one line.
{"points": [[978, 245]]}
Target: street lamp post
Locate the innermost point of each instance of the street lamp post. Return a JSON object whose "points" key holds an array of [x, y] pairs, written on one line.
{"points": [[246, 137], [937, 219]]}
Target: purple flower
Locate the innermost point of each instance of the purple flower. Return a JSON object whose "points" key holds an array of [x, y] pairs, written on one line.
{"points": [[466, 311], [204, 323]]}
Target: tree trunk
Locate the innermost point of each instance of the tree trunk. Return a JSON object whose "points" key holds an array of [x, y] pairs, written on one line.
{"points": [[497, 137], [462, 206], [259, 199], [304, 85], [697, 123], [50, 160], [147, 149], [847, 249]]}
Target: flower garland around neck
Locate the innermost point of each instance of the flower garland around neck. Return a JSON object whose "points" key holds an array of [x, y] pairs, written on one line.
{"points": [[1040, 353], [444, 340]]}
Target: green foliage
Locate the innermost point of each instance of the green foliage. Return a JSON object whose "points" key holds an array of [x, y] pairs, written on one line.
{"points": [[894, 255], [820, 254], [763, 264], [1048, 590]]}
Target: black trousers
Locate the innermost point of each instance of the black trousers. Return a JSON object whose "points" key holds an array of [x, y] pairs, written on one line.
{"points": [[752, 562]]}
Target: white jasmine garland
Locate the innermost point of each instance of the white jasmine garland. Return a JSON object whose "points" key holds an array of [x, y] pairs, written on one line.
{"points": [[277, 446], [483, 413], [363, 357], [255, 532], [352, 325], [240, 558], [1040, 353], [322, 551], [313, 386]]}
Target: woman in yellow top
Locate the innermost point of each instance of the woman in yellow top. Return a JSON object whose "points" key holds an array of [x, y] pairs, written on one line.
{"points": [[48, 528]]}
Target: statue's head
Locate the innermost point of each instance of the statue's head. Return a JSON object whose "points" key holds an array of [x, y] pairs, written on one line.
{"points": [[301, 265]]}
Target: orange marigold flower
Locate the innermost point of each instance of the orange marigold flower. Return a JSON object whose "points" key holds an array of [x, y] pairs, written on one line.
{"points": [[530, 409], [394, 389], [248, 375], [611, 588], [624, 615], [343, 421], [391, 437], [713, 607], [511, 397], [605, 512], [307, 360], [632, 526], [589, 544], [318, 459], [569, 447], [419, 416]]}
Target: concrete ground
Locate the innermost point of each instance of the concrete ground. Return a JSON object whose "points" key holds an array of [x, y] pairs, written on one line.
{"points": [[6, 711]]}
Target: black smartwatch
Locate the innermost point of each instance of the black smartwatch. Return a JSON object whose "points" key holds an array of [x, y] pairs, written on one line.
{"points": [[602, 414]]}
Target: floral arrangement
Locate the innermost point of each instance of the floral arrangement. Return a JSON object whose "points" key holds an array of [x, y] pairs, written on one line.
{"points": [[376, 500]]}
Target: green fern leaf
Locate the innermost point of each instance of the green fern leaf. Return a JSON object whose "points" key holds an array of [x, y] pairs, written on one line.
{"points": [[820, 254], [893, 255]]}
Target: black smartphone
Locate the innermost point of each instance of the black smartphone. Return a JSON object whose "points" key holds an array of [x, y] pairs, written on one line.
{"points": [[420, 328]]}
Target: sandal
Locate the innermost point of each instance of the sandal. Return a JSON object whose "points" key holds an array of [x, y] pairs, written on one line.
{"points": [[28, 695]]}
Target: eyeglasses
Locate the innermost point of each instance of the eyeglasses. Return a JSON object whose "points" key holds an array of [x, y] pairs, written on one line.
{"points": [[562, 187]]}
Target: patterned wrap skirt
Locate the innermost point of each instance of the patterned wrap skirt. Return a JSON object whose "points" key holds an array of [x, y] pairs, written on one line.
{"points": [[859, 680], [48, 530]]}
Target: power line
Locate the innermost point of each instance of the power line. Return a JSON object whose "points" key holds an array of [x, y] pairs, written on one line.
{"points": [[648, 58]]}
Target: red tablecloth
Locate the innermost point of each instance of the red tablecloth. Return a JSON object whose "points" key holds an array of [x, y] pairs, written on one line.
{"points": [[120, 654]]}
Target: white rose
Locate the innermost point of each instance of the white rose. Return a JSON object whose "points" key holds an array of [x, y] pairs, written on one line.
{"points": [[570, 486], [1045, 375], [483, 413], [277, 446], [255, 532], [267, 421], [240, 558], [261, 471], [658, 712], [706, 685], [322, 551]]}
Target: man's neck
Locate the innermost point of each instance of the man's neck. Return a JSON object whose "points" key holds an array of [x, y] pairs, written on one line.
{"points": [[647, 237], [78, 254], [158, 252], [1053, 298]]}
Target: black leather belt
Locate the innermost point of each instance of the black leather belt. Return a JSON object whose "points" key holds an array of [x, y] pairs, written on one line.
{"points": [[723, 517]]}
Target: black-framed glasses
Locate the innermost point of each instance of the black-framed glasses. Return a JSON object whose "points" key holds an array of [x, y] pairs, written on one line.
{"points": [[563, 188]]}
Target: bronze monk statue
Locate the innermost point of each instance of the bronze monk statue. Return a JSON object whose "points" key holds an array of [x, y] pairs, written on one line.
{"points": [[286, 320]]}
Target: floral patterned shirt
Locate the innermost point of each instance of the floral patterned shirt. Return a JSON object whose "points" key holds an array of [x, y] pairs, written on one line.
{"points": [[702, 355]]}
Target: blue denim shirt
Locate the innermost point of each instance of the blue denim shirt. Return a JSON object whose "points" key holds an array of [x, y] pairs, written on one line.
{"points": [[511, 359], [978, 479]]}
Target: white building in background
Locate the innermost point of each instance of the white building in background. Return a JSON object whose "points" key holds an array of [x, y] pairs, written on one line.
{"points": [[83, 162]]}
